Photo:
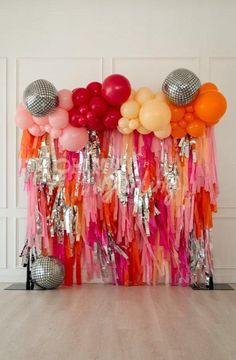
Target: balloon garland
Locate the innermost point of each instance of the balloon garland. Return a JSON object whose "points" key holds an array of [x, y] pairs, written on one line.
{"points": [[122, 180]]}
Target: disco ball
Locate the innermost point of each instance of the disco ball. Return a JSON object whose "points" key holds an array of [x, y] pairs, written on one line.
{"points": [[181, 86], [40, 98], [47, 272]]}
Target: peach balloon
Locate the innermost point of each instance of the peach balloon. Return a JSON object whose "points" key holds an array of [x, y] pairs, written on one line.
{"points": [[162, 134], [143, 94], [59, 118], [155, 115], [132, 94], [41, 121], [160, 96], [130, 109], [65, 99], [125, 131], [143, 131], [134, 124], [123, 122]]}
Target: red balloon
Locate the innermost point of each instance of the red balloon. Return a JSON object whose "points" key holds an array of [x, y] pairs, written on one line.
{"points": [[98, 105], [95, 124], [73, 117], [94, 88], [83, 109], [80, 97], [116, 89], [112, 118], [91, 115]]}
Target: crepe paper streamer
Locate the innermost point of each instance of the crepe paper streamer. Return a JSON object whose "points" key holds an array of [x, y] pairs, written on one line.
{"points": [[130, 209]]}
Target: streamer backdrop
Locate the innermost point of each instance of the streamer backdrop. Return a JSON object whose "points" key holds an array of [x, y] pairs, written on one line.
{"points": [[122, 184]]}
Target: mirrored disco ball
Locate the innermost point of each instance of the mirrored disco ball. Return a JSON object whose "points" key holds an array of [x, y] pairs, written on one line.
{"points": [[40, 97], [47, 272], [181, 86]]}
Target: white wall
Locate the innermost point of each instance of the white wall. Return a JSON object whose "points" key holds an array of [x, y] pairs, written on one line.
{"points": [[73, 42]]}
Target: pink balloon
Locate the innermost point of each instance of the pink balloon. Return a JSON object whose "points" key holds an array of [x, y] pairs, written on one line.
{"points": [[36, 131], [65, 99], [41, 120], [59, 119], [23, 118], [73, 139], [55, 133], [20, 107], [47, 128]]}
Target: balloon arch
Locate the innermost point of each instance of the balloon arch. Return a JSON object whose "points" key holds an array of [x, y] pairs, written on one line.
{"points": [[122, 182]]}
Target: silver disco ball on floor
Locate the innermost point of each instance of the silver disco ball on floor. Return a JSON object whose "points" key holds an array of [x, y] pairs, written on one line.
{"points": [[40, 97], [47, 272], [181, 86]]}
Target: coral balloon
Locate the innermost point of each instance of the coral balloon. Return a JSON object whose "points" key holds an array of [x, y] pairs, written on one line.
{"points": [[208, 87], [163, 134], [59, 119], [65, 99], [80, 96], [143, 94], [177, 112], [143, 131], [196, 128], [98, 105], [73, 139], [116, 89], [178, 132], [134, 124], [36, 131], [42, 121], [47, 128], [55, 133], [210, 106], [154, 115], [23, 118], [94, 88], [112, 118], [130, 109]]}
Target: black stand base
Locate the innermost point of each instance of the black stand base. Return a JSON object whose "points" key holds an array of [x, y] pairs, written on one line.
{"points": [[22, 286], [214, 287]]}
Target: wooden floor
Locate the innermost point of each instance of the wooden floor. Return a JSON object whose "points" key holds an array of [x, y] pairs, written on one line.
{"points": [[102, 322]]}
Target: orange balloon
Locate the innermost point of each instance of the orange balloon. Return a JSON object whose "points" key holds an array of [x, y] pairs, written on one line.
{"points": [[210, 106], [178, 132], [182, 123], [196, 128], [188, 117], [208, 87], [177, 112], [190, 109]]}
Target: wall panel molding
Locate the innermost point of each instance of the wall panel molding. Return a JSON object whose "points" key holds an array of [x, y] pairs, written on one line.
{"points": [[3, 133], [3, 242]]}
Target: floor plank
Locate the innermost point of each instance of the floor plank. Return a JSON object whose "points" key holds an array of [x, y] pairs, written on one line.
{"points": [[103, 322]]}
